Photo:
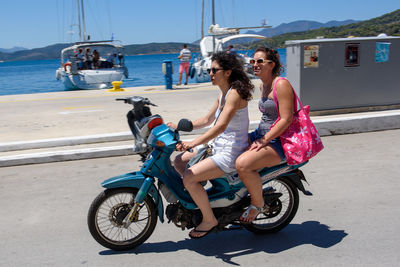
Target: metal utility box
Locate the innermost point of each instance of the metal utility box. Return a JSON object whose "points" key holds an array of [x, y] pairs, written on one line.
{"points": [[345, 73]]}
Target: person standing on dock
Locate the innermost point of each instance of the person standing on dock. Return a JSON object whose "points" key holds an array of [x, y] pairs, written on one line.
{"points": [[185, 55]]}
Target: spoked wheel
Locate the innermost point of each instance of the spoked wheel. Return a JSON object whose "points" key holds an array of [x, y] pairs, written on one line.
{"points": [[283, 199], [106, 219]]}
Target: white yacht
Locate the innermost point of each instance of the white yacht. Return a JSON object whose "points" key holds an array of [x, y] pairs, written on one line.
{"points": [[91, 64], [212, 44], [79, 73], [215, 43]]}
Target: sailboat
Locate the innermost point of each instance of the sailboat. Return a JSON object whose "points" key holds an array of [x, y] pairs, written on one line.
{"points": [[215, 43], [91, 64]]}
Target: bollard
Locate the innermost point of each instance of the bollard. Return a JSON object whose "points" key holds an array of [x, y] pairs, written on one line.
{"points": [[168, 70], [116, 87]]}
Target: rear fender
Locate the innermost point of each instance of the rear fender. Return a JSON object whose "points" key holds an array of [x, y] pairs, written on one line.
{"points": [[135, 180], [296, 177]]}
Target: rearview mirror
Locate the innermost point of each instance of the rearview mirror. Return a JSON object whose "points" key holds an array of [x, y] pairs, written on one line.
{"points": [[185, 125]]}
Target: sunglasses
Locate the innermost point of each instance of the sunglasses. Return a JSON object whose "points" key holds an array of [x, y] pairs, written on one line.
{"points": [[259, 61], [214, 70]]}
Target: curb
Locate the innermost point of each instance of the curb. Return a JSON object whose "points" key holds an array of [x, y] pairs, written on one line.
{"points": [[326, 126], [358, 124], [68, 141], [80, 140], [66, 155]]}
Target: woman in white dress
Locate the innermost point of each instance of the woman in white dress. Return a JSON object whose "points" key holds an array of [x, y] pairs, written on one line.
{"points": [[230, 132]]}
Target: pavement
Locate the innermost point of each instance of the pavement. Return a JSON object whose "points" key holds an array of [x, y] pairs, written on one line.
{"points": [[72, 125], [350, 220]]}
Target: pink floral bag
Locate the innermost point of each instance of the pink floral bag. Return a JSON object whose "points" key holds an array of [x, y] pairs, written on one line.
{"points": [[301, 140]]}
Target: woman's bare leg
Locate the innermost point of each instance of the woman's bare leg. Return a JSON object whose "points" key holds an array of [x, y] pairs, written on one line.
{"points": [[247, 165], [181, 160], [202, 171]]}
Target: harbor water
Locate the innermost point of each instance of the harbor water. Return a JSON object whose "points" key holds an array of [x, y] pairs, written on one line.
{"points": [[38, 76]]}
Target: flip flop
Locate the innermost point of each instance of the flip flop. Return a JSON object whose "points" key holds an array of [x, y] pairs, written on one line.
{"points": [[201, 231], [246, 214]]}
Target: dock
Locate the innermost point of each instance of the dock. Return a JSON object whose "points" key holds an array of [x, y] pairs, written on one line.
{"points": [[72, 125]]}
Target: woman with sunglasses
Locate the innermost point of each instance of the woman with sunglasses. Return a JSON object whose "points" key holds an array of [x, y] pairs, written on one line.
{"points": [[265, 148], [230, 114]]}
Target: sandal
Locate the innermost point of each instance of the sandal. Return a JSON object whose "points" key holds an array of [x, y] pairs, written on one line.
{"points": [[246, 214], [206, 232]]}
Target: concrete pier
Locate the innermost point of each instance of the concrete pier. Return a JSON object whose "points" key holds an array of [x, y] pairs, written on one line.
{"points": [[72, 125]]}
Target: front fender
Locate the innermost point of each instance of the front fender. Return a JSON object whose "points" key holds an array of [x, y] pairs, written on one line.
{"points": [[135, 179]]}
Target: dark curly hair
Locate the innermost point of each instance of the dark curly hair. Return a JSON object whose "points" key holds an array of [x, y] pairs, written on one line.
{"points": [[238, 79], [272, 54]]}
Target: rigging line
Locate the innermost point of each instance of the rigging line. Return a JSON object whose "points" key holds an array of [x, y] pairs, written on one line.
{"points": [[73, 21], [221, 21], [244, 18], [79, 21], [196, 21], [207, 15], [110, 26], [64, 20], [97, 14], [94, 16], [58, 20], [233, 12]]}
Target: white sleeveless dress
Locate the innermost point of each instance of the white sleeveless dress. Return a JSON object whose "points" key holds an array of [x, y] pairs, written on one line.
{"points": [[233, 141]]}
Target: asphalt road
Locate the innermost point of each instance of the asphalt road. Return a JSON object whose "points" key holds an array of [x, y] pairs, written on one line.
{"points": [[351, 220]]}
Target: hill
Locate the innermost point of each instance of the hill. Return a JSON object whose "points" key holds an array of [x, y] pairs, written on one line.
{"points": [[157, 48], [295, 26], [53, 51], [12, 50], [299, 26], [48, 52], [388, 23]]}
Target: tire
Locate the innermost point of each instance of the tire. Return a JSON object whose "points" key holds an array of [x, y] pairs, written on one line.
{"points": [[282, 210], [107, 212]]}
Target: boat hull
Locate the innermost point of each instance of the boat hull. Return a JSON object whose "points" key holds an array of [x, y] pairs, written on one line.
{"points": [[201, 67], [90, 79], [201, 70]]}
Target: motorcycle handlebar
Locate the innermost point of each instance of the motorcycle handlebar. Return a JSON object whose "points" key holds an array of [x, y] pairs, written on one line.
{"points": [[129, 100], [188, 150], [122, 99]]}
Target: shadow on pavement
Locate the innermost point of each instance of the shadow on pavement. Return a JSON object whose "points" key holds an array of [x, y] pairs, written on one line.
{"points": [[230, 244]]}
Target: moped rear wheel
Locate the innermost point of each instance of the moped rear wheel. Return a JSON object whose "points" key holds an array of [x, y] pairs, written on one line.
{"points": [[282, 210], [106, 219]]}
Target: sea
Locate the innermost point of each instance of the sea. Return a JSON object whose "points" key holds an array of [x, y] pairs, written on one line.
{"points": [[39, 76]]}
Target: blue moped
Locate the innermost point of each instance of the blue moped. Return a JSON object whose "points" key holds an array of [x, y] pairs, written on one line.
{"points": [[124, 215]]}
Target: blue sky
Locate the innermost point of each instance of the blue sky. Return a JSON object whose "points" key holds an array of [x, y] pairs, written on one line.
{"points": [[38, 23]]}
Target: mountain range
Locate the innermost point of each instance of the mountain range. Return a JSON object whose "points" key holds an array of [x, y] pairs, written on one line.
{"points": [[299, 26], [388, 23], [13, 49], [53, 51]]}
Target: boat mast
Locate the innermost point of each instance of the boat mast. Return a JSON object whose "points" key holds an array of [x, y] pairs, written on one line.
{"points": [[202, 19], [79, 20], [213, 23], [85, 39]]}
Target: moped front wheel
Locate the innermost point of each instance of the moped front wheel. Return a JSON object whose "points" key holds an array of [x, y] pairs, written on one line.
{"points": [[107, 223], [283, 199]]}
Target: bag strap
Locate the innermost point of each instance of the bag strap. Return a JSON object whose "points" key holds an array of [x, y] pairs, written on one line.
{"points": [[222, 105], [297, 99], [215, 122]]}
